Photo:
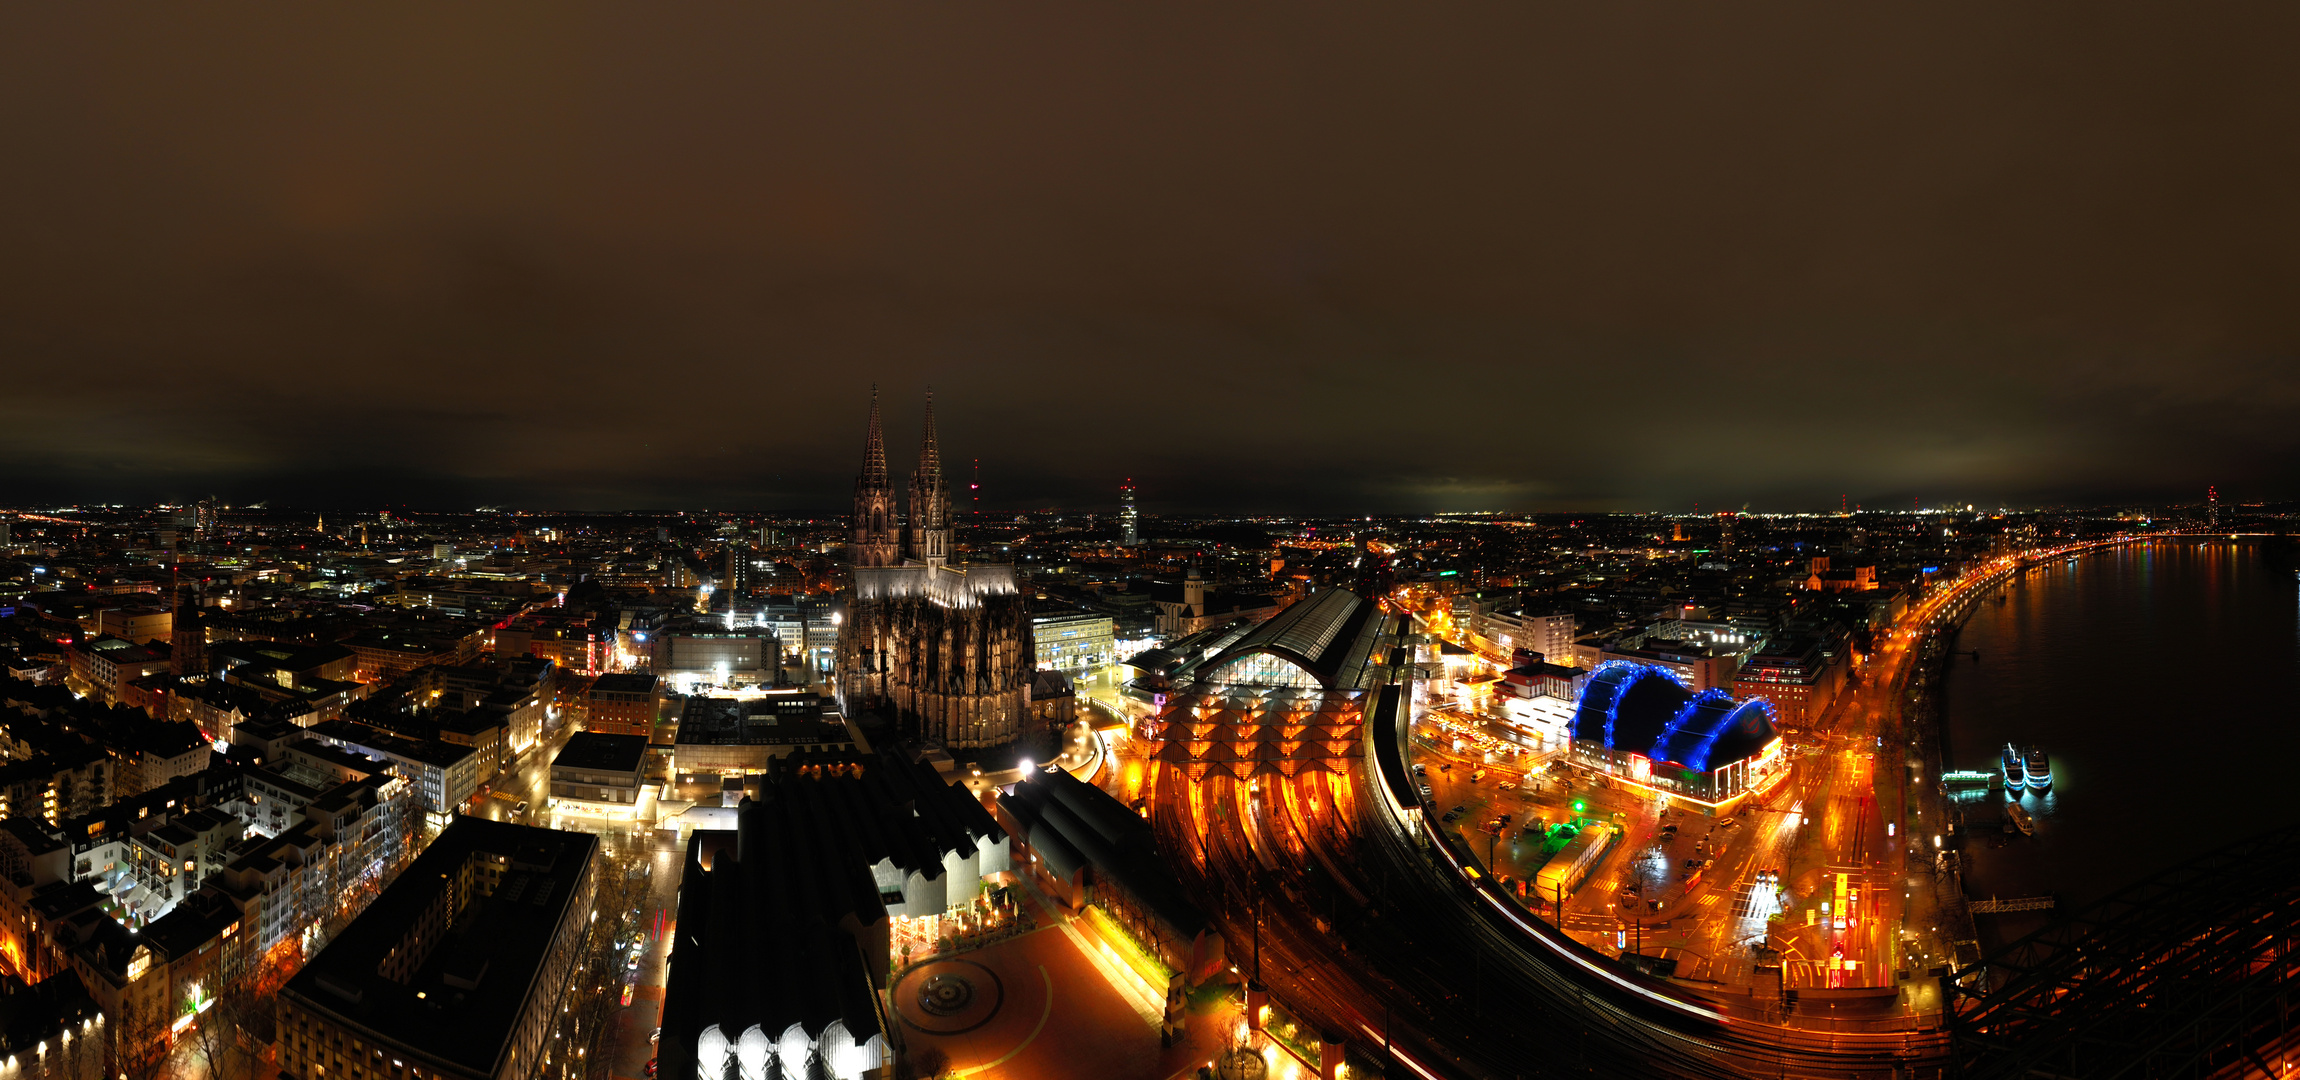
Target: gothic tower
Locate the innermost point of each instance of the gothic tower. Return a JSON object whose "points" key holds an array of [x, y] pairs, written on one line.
{"points": [[943, 650], [874, 530], [929, 500]]}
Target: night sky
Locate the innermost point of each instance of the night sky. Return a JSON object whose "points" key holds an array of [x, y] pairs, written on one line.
{"points": [[1316, 258]]}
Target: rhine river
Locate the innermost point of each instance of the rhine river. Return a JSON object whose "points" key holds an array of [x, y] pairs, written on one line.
{"points": [[2162, 678]]}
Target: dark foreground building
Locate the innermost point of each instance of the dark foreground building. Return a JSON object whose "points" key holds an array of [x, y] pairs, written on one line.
{"points": [[1085, 848], [456, 972], [785, 922]]}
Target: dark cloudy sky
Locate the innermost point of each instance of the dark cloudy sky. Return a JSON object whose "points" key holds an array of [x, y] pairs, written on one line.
{"points": [[1302, 257]]}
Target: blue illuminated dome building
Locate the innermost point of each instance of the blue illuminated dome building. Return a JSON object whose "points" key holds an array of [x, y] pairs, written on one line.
{"points": [[1638, 723]]}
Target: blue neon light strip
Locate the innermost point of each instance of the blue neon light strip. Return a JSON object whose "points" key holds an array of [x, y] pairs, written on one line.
{"points": [[1638, 674], [1699, 758], [1714, 697], [1603, 690]]}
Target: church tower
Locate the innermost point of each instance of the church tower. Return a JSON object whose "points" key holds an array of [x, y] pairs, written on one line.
{"points": [[188, 638], [929, 500], [874, 529], [944, 651]]}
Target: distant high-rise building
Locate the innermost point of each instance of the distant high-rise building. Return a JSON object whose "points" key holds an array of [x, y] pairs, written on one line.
{"points": [[1128, 533], [2212, 505], [735, 579], [6, 536]]}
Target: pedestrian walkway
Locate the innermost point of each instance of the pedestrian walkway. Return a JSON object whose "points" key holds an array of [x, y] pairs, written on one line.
{"points": [[1044, 1003]]}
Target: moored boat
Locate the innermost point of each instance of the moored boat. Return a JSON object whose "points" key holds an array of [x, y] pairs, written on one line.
{"points": [[2039, 769], [2020, 818], [2016, 777]]}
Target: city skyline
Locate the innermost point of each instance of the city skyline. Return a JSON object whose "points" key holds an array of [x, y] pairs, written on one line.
{"points": [[1121, 501]]}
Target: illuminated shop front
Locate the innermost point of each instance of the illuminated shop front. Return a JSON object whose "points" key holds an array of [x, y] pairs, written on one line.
{"points": [[1638, 723]]}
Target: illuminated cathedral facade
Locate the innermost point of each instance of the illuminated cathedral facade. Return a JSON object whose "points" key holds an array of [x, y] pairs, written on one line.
{"points": [[944, 650]]}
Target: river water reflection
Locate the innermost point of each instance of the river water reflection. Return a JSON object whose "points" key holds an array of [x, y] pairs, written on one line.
{"points": [[2162, 679]]}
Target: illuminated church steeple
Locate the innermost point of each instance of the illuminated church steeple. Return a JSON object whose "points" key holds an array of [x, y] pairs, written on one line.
{"points": [[874, 541], [929, 500]]}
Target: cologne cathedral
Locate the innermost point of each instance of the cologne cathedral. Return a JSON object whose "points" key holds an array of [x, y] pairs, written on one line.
{"points": [[944, 651]]}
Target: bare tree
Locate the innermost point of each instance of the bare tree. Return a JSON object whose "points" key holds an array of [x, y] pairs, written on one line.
{"points": [[620, 899], [135, 1047], [219, 1039]]}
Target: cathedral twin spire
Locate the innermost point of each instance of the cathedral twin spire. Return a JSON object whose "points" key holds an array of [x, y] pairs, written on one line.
{"points": [[929, 500], [874, 513]]}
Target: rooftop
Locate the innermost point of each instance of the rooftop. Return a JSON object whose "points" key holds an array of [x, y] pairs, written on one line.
{"points": [[624, 684], [1328, 637], [774, 720], [600, 752], [473, 985]]}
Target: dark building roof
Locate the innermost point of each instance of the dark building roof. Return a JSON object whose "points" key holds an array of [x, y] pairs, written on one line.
{"points": [[33, 1015], [888, 808], [765, 929], [436, 754], [774, 720], [601, 752], [1627, 706], [171, 739], [1733, 735], [1639, 708], [624, 684], [1050, 684], [1066, 819], [476, 981]]}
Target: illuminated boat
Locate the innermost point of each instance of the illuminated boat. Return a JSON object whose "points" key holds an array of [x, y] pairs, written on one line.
{"points": [[2039, 770], [2020, 818], [2016, 778]]}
